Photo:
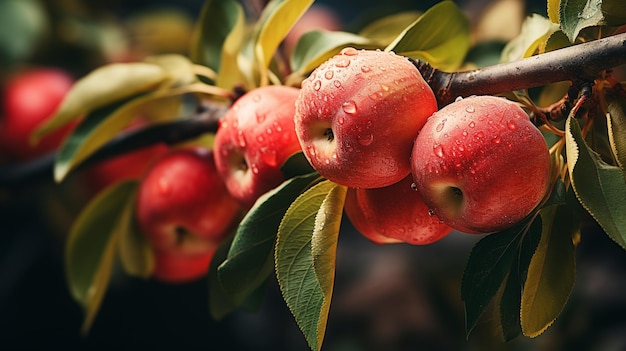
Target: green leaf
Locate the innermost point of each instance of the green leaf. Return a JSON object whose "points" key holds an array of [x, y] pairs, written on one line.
{"points": [[616, 124], [135, 250], [551, 273], [599, 187], [22, 25], [179, 69], [276, 22], [296, 165], [231, 73], [217, 21], [441, 37], [250, 259], [91, 247], [535, 32], [575, 15], [305, 257], [489, 263], [385, 29], [220, 301], [102, 87], [316, 46]]}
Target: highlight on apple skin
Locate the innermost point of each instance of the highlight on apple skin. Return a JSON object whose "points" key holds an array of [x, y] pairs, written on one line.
{"points": [[393, 214], [480, 164], [185, 211], [358, 114], [255, 137]]}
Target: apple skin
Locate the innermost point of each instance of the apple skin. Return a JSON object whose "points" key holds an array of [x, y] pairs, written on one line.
{"points": [[184, 209], [29, 98], [175, 268], [393, 214], [358, 114], [480, 164], [255, 137]]}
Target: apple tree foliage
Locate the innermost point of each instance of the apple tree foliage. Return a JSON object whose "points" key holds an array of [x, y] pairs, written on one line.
{"points": [[527, 271]]}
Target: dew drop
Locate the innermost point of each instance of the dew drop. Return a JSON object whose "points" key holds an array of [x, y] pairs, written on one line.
{"points": [[255, 169], [260, 139], [458, 98], [472, 124], [470, 109], [438, 149], [431, 212], [337, 84], [349, 107], [329, 74], [349, 51], [464, 133], [440, 126], [413, 186], [241, 139], [277, 127], [365, 69], [461, 148], [384, 87], [342, 62], [479, 135], [269, 157], [260, 118], [366, 140], [497, 140], [341, 120], [512, 125], [317, 85], [269, 131], [256, 98]]}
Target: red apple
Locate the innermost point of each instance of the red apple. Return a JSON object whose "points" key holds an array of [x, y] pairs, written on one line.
{"points": [[480, 164], [317, 17], [184, 208], [393, 214], [176, 268], [358, 114], [29, 98], [255, 137]]}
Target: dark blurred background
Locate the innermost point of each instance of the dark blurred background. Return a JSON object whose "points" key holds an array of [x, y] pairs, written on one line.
{"points": [[393, 297]]}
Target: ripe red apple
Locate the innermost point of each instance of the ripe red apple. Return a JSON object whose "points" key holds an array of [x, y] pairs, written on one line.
{"points": [[29, 98], [184, 209], [176, 268], [480, 164], [254, 139], [358, 114], [393, 214]]}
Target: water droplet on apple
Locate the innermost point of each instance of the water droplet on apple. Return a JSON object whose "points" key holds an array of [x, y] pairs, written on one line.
{"points": [[277, 127], [431, 212], [269, 157], [241, 139], [337, 84], [329, 75], [413, 186], [512, 125], [349, 107], [366, 69], [260, 117], [438, 149], [260, 139], [317, 85], [349, 51], [384, 87], [343, 62], [365, 140], [458, 98], [472, 124], [255, 169], [479, 135], [496, 139], [464, 133], [382, 68], [440, 126], [256, 98], [470, 109], [461, 148]]}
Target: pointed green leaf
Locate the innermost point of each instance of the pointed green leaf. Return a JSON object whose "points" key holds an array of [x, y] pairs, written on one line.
{"points": [[304, 275], [441, 37], [575, 15], [276, 22], [179, 69], [551, 273], [616, 124], [91, 248], [250, 259], [217, 20], [135, 250], [102, 87], [317, 46], [599, 187], [489, 263], [231, 72]]}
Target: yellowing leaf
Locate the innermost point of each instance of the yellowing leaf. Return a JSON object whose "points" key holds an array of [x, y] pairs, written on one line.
{"points": [[135, 250], [553, 10], [536, 30], [305, 257], [551, 273]]}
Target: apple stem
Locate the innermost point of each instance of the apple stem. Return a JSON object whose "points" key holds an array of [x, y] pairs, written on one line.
{"points": [[577, 62]]}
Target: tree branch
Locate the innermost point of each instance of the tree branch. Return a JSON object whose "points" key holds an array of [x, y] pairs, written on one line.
{"points": [[583, 61]]}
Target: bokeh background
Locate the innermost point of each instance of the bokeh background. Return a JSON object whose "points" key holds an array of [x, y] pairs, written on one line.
{"points": [[393, 297]]}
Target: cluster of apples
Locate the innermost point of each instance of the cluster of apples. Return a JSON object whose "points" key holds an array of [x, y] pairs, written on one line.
{"points": [[366, 119]]}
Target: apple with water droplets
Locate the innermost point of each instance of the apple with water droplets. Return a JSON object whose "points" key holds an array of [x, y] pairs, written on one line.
{"points": [[185, 211], [358, 114], [480, 164], [393, 214], [255, 137]]}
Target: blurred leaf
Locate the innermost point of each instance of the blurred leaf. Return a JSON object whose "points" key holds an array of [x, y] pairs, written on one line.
{"points": [[305, 257], [276, 22], [385, 29], [616, 123], [551, 273], [441, 37], [533, 36], [22, 24], [317, 46], [177, 67], [102, 87], [135, 250], [489, 263], [218, 19], [91, 248], [250, 259], [296, 165], [220, 301], [231, 70], [599, 187], [102, 125], [614, 12], [575, 15]]}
